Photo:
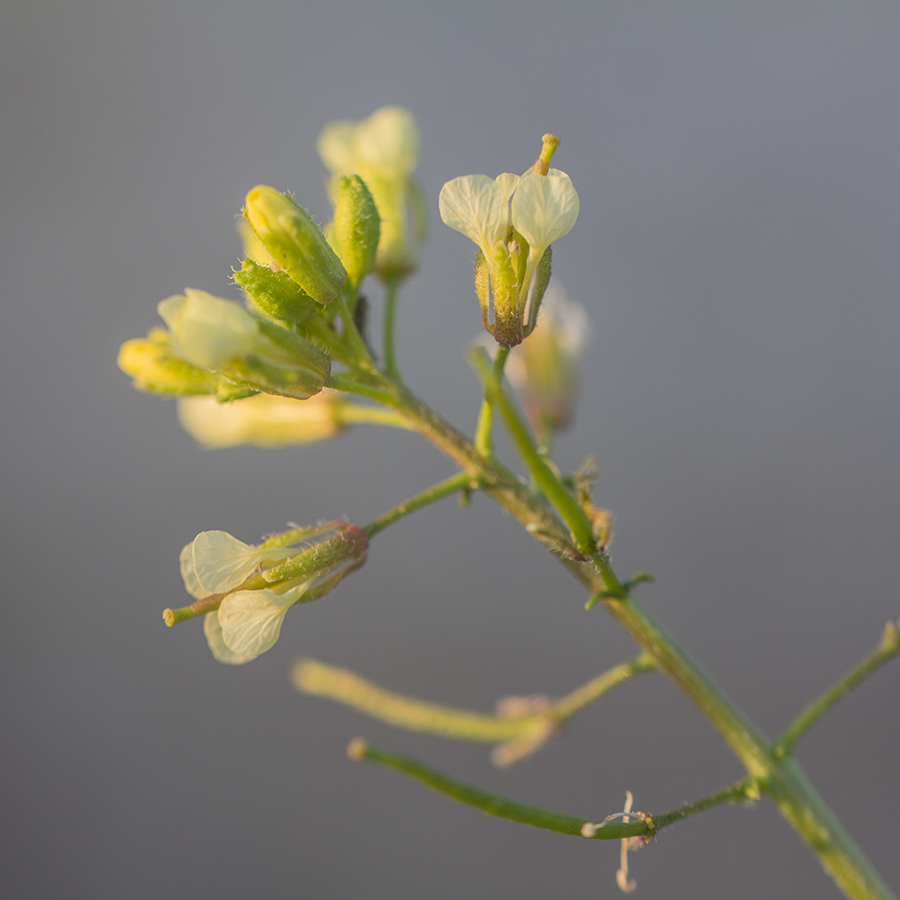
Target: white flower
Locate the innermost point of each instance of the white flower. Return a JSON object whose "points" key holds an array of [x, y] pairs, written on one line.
{"points": [[504, 217], [263, 419]]}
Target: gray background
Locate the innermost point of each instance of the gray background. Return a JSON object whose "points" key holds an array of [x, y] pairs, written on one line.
{"points": [[738, 252]]}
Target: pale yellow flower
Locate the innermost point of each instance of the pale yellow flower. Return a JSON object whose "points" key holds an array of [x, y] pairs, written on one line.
{"points": [[265, 420], [513, 220]]}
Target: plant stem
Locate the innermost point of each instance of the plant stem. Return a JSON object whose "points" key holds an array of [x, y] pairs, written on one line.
{"points": [[492, 804], [495, 805], [390, 309], [453, 485], [556, 493], [581, 697], [782, 779], [357, 413], [483, 437], [887, 649]]}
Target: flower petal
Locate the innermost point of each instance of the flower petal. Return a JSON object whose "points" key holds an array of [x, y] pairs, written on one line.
{"points": [[389, 141], [478, 207], [219, 649], [189, 573], [251, 620], [544, 208], [222, 562]]}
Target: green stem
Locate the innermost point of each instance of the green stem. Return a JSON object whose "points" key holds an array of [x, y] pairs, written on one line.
{"points": [[493, 804], [453, 485], [356, 413], [887, 649], [644, 825], [354, 339], [351, 384], [745, 789], [581, 697], [483, 438], [553, 489], [390, 308], [782, 779]]}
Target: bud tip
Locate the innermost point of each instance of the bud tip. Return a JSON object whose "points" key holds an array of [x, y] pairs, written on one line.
{"points": [[357, 749]]}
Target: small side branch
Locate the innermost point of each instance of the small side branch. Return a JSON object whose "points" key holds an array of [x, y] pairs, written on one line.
{"points": [[887, 649]]}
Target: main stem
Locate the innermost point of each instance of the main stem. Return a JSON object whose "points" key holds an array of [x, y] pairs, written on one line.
{"points": [[782, 779]]}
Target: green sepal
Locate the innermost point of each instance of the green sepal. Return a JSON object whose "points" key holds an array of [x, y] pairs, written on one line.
{"points": [[508, 325], [541, 280], [274, 294]]}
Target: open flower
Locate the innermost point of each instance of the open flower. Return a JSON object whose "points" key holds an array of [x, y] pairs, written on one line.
{"points": [[246, 590], [383, 150], [264, 420], [513, 220], [219, 335]]}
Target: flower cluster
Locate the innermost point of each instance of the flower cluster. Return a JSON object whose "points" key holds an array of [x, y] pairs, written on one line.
{"points": [[382, 151]]}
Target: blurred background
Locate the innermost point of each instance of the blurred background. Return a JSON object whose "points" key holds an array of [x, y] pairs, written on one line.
{"points": [[737, 251]]}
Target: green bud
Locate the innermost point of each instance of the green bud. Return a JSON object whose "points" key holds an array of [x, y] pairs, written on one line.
{"points": [[357, 226], [295, 242], [274, 294], [157, 369]]}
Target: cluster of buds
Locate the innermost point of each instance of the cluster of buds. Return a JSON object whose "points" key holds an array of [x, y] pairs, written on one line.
{"points": [[382, 152], [513, 220], [246, 590]]}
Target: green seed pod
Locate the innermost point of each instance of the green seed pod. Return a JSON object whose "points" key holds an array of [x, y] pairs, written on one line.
{"points": [[357, 226], [295, 242]]}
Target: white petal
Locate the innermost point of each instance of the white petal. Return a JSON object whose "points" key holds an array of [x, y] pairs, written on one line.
{"points": [[208, 331], [213, 631], [251, 620], [544, 208], [478, 207], [222, 562], [189, 573]]}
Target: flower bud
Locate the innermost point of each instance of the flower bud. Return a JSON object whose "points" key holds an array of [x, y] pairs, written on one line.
{"points": [[383, 150], [295, 242], [544, 369], [158, 369], [216, 334], [356, 227]]}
